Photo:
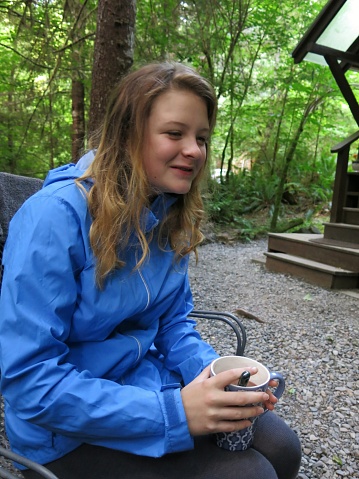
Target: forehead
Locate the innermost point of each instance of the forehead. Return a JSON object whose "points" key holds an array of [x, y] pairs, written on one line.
{"points": [[179, 103]]}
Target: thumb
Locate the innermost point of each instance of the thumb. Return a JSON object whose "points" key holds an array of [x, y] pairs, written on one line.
{"points": [[231, 376], [205, 374]]}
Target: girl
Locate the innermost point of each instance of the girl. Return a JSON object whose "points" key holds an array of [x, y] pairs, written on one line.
{"points": [[103, 374]]}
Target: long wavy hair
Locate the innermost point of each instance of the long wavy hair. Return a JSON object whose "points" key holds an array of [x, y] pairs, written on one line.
{"points": [[120, 190]]}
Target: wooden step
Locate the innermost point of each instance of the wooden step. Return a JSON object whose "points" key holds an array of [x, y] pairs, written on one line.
{"points": [[316, 273], [342, 232], [333, 242], [307, 246], [351, 216]]}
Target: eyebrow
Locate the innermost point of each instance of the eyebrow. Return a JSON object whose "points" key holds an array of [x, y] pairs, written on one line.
{"points": [[179, 123]]}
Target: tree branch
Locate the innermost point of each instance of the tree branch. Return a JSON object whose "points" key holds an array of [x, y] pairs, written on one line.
{"points": [[79, 40], [45, 67]]}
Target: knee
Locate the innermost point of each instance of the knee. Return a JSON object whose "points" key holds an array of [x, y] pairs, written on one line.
{"points": [[280, 444], [292, 448]]}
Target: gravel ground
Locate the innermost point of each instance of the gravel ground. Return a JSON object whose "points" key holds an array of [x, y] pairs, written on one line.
{"points": [[310, 335]]}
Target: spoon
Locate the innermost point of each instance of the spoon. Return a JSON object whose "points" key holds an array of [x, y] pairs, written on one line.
{"points": [[244, 378]]}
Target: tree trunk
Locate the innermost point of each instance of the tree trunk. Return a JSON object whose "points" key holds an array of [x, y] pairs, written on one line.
{"points": [[113, 55], [10, 160], [51, 132], [78, 118]]}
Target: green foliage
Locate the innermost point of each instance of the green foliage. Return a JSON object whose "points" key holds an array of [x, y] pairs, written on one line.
{"points": [[337, 460], [243, 46], [239, 199], [240, 194], [37, 66]]}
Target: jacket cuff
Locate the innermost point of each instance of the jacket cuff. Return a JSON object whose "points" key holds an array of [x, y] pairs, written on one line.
{"points": [[178, 437]]}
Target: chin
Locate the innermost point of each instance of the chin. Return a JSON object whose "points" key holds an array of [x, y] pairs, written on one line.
{"points": [[183, 190], [179, 191]]}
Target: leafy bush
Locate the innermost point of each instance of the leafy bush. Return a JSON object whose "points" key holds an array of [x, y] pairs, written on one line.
{"points": [[239, 200]]}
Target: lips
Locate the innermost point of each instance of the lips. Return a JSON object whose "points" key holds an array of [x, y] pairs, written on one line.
{"points": [[187, 169]]}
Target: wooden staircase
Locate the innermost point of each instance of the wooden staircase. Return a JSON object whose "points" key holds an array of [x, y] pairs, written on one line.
{"points": [[330, 260], [325, 264]]}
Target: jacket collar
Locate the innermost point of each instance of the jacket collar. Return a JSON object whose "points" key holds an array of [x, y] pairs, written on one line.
{"points": [[152, 216]]}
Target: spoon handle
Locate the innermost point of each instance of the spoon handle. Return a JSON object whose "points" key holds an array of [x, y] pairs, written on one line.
{"points": [[244, 378]]}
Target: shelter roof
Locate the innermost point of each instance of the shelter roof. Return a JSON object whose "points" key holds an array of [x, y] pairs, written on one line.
{"points": [[333, 40]]}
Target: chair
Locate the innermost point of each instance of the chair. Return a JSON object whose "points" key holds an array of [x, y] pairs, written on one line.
{"points": [[14, 190], [228, 318], [34, 466]]}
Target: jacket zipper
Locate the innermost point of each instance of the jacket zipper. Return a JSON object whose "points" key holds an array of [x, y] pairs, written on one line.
{"points": [[139, 345], [145, 285]]}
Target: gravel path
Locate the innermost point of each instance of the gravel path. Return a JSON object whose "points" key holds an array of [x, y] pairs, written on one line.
{"points": [[310, 334]]}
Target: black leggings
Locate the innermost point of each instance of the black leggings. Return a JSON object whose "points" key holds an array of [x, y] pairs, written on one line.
{"points": [[275, 454]]}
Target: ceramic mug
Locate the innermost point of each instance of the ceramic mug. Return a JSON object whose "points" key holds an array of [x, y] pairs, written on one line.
{"points": [[243, 439]]}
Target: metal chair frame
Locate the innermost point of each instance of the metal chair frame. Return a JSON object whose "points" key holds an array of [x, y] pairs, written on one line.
{"points": [[229, 319], [34, 466]]}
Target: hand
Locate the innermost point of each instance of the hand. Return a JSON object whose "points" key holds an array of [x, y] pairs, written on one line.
{"points": [[272, 399], [210, 409]]}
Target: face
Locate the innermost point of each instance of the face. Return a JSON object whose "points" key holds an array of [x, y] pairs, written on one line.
{"points": [[175, 141]]}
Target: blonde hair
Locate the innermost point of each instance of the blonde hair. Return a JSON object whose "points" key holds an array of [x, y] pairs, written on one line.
{"points": [[120, 188]]}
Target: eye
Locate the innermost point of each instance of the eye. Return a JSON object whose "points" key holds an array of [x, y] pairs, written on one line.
{"points": [[201, 140], [174, 134]]}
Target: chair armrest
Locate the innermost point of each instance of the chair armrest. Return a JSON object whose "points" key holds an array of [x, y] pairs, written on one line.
{"points": [[34, 466], [229, 319], [5, 474]]}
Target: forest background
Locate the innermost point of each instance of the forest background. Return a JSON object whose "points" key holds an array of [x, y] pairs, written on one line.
{"points": [[271, 165]]}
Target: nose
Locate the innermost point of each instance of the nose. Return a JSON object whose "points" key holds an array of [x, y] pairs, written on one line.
{"points": [[192, 148]]}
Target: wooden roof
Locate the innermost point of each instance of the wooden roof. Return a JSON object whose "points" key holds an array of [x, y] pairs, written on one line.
{"points": [[318, 44]]}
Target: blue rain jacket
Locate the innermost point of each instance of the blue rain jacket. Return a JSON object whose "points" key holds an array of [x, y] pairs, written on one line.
{"points": [[83, 365]]}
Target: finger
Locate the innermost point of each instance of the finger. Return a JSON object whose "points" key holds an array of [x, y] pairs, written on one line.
{"points": [[271, 401], [273, 383], [205, 374], [241, 398], [271, 395], [272, 398], [269, 405], [240, 413], [231, 376]]}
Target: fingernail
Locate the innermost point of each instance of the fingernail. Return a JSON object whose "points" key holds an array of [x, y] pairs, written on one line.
{"points": [[266, 397]]}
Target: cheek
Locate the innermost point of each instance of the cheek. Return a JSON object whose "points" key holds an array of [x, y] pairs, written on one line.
{"points": [[150, 168], [153, 165], [158, 149], [151, 156], [204, 156]]}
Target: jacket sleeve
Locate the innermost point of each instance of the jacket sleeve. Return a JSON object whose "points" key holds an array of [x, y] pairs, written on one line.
{"points": [[44, 253], [181, 345]]}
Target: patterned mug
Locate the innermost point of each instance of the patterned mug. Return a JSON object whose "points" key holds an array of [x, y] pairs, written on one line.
{"points": [[243, 439]]}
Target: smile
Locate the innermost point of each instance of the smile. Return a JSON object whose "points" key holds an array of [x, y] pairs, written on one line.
{"points": [[183, 168]]}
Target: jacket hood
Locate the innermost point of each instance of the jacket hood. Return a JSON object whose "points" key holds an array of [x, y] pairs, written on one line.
{"points": [[66, 172]]}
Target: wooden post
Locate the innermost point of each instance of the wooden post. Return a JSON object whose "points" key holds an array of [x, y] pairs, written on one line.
{"points": [[341, 177]]}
